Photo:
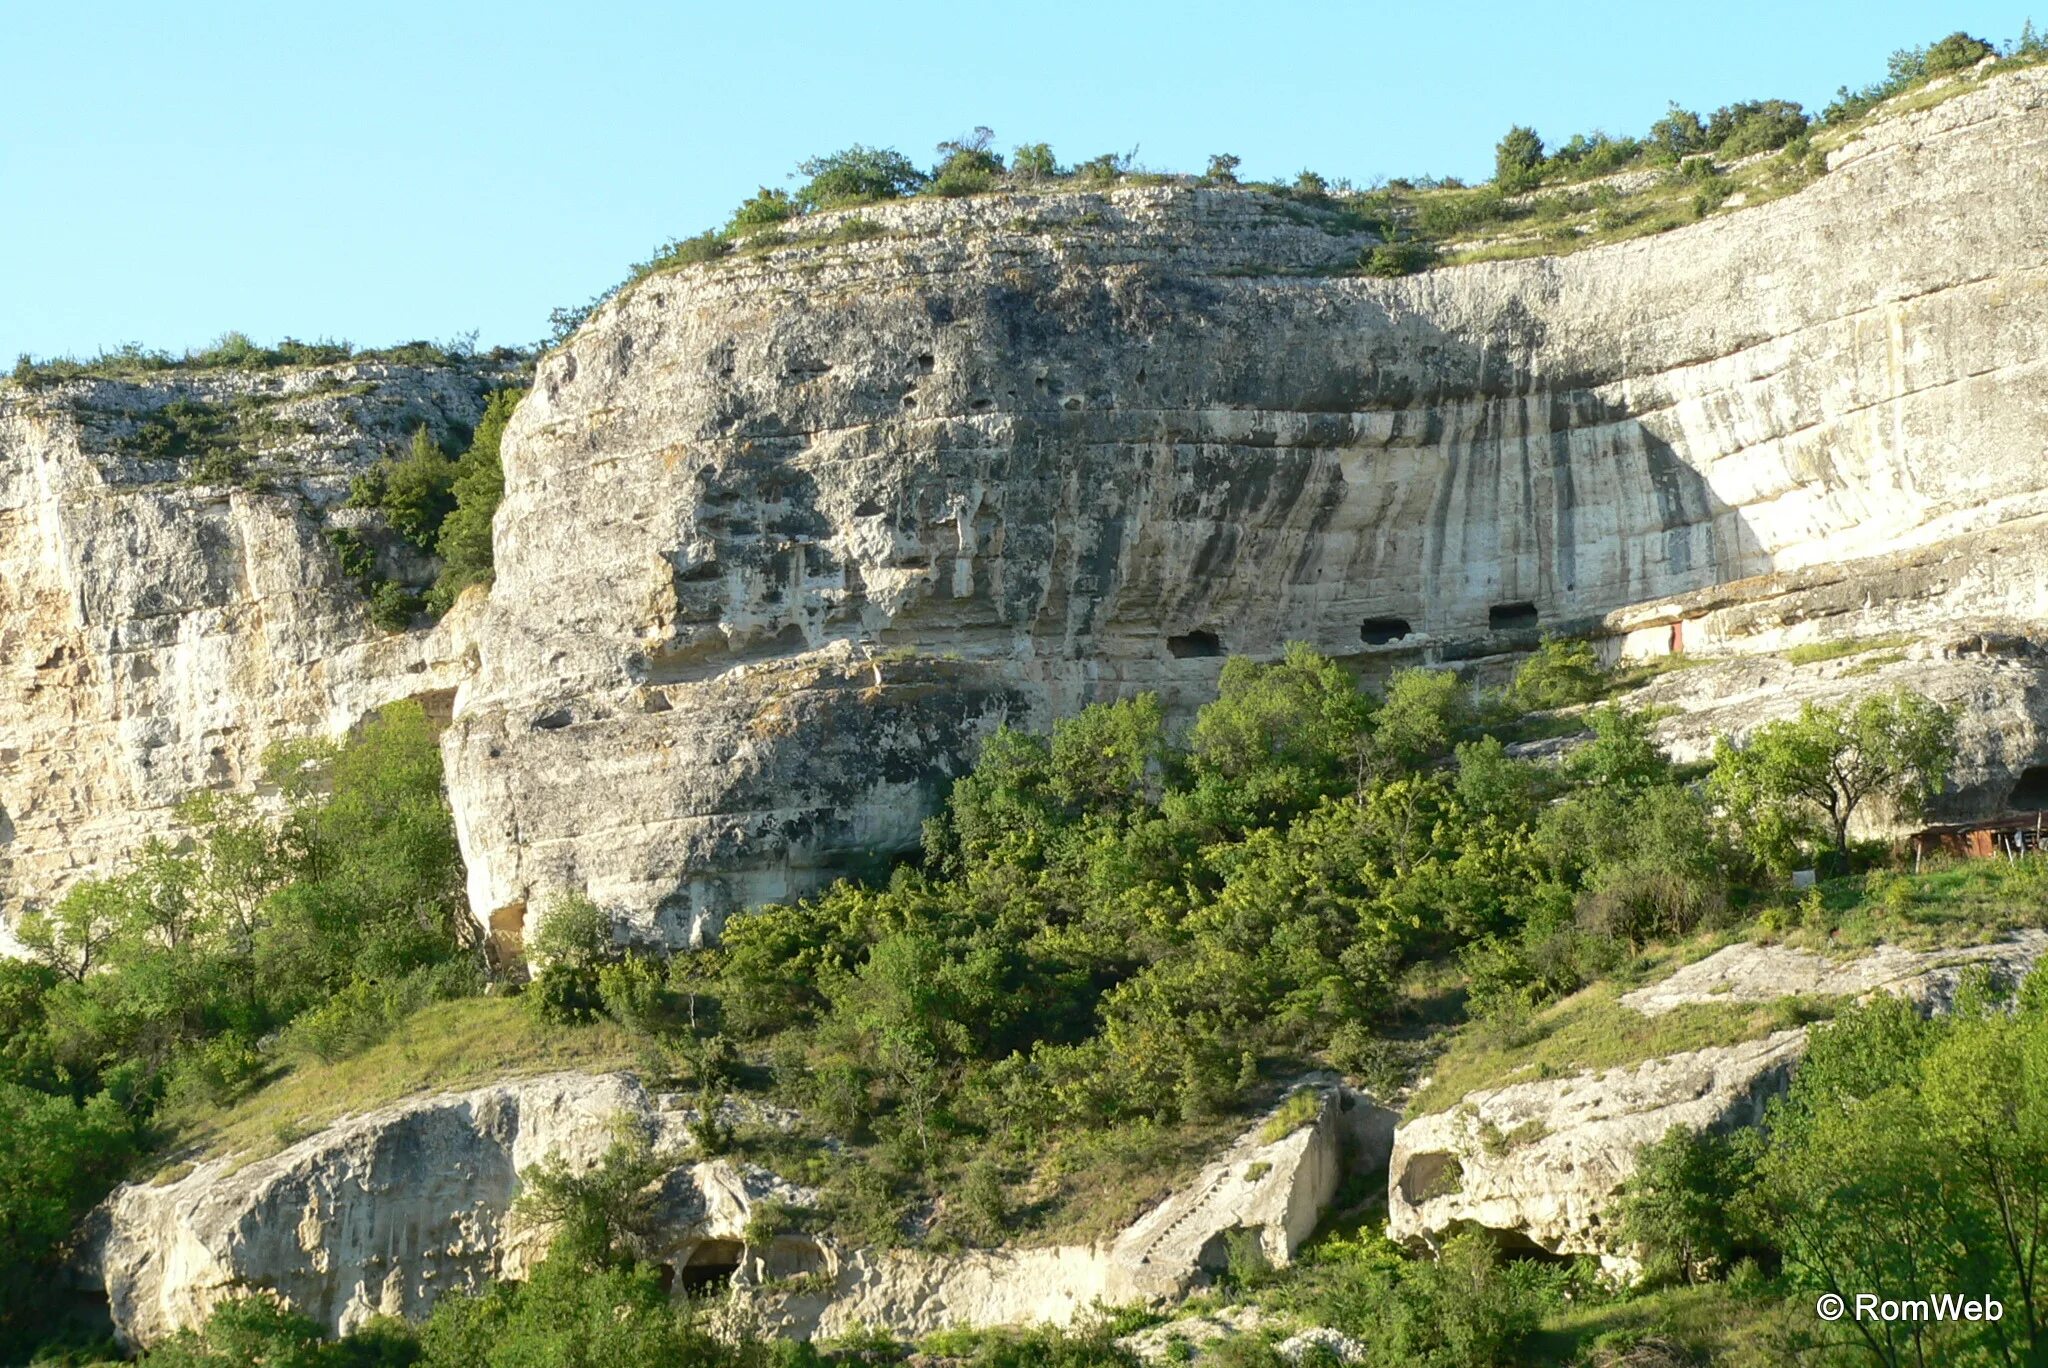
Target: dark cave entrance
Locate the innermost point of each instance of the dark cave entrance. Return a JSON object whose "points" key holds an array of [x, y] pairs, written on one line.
{"points": [[709, 1270], [2030, 794], [1383, 631], [1194, 645], [1512, 617]]}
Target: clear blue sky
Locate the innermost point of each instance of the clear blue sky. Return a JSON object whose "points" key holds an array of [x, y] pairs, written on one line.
{"points": [[383, 171]]}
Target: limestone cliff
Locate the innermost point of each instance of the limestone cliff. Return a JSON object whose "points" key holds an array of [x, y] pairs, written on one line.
{"points": [[1067, 447], [785, 534], [160, 624]]}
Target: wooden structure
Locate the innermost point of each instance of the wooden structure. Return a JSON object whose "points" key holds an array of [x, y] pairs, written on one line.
{"points": [[2010, 834]]}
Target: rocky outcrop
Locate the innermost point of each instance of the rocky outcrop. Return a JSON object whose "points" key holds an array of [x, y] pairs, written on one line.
{"points": [[1766, 973], [1541, 1162], [381, 1213], [164, 622], [1070, 446]]}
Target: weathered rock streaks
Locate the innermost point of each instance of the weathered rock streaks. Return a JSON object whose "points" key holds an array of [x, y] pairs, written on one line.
{"points": [[784, 535], [1088, 443]]}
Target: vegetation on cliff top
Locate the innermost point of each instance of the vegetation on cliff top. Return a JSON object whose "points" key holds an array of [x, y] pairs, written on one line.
{"points": [[1543, 198], [234, 351]]}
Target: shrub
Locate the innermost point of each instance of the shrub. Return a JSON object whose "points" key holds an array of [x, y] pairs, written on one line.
{"points": [[1518, 159], [1033, 162], [1560, 673], [393, 606], [1222, 169], [1957, 52], [966, 166], [415, 492], [689, 251], [858, 175], [764, 209], [464, 541], [1679, 134], [1751, 126], [1397, 258], [1103, 171]]}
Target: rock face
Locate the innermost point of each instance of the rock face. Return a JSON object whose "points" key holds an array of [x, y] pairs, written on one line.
{"points": [[1541, 1162], [382, 1213], [786, 534], [1765, 973], [158, 631], [1073, 446]]}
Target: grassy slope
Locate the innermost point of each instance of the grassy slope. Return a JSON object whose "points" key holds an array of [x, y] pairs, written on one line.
{"points": [[450, 1045]]}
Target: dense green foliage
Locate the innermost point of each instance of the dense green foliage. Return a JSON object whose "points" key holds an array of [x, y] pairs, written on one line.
{"points": [[463, 541], [1910, 1158], [440, 504], [1828, 763], [1119, 933], [185, 979]]}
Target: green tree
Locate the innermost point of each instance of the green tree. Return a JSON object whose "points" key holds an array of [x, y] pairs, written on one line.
{"points": [[1278, 736], [415, 491], [1033, 162], [967, 165], [765, 208], [1680, 133], [602, 1216], [1751, 126], [1558, 674], [858, 175], [56, 1159], [1957, 52], [1423, 712], [464, 541], [1518, 159], [1895, 747], [1678, 1205], [1222, 169]]}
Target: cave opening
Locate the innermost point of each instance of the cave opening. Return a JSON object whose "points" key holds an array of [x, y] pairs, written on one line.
{"points": [[1194, 645], [2030, 794], [1383, 631], [710, 1268], [1519, 616]]}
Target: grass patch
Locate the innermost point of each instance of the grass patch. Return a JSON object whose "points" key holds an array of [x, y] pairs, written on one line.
{"points": [[1815, 652], [465, 1043], [1708, 1323], [1300, 1109], [1949, 904], [1591, 1030]]}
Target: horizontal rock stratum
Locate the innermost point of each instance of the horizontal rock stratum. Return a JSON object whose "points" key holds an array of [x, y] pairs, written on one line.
{"points": [[785, 534]]}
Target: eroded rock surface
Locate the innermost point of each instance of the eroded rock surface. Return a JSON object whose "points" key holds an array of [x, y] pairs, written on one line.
{"points": [[1071, 446], [159, 631], [1765, 973], [1540, 1162], [381, 1213]]}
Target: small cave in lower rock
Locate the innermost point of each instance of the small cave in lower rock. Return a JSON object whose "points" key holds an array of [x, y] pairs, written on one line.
{"points": [[710, 1268], [1383, 631], [1194, 645]]}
